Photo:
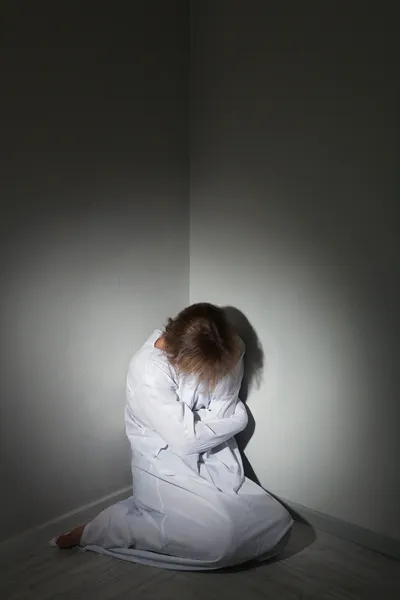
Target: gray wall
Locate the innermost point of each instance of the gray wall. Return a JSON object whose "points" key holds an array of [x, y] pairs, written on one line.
{"points": [[94, 237], [293, 221]]}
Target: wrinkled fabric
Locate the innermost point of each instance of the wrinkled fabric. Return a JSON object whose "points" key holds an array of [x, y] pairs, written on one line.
{"points": [[191, 506]]}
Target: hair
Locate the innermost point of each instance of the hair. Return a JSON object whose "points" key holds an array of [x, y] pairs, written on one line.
{"points": [[200, 341]]}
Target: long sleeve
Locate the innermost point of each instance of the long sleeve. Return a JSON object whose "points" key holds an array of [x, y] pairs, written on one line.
{"points": [[175, 422], [225, 398]]}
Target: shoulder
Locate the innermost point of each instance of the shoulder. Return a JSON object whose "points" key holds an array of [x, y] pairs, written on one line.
{"points": [[157, 371], [146, 353]]}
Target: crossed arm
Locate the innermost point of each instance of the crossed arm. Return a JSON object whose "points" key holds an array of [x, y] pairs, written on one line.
{"points": [[178, 425]]}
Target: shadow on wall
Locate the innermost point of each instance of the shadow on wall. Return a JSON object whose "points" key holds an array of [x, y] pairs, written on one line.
{"points": [[252, 377], [303, 533]]}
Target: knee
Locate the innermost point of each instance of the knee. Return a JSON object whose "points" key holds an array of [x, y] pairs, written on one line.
{"points": [[284, 518], [221, 543]]}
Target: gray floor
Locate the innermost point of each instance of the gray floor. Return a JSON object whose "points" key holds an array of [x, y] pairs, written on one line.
{"points": [[314, 565]]}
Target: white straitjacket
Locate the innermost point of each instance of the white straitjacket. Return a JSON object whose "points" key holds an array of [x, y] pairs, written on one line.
{"points": [[191, 505]]}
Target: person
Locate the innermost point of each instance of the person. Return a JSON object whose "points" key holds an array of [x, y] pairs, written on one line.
{"points": [[191, 506]]}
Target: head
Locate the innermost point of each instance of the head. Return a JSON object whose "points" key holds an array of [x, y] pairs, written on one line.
{"points": [[200, 341]]}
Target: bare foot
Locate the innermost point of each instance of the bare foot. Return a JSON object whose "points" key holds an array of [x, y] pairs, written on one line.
{"points": [[71, 539]]}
